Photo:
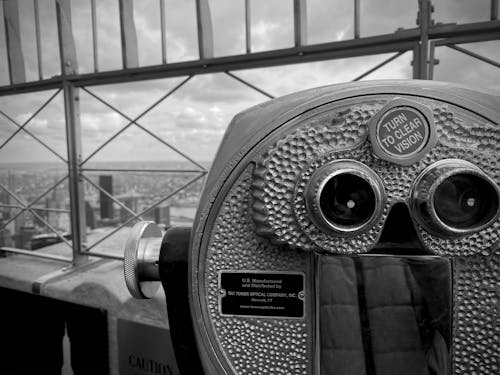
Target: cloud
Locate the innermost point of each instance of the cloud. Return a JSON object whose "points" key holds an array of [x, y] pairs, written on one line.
{"points": [[213, 88], [455, 66], [194, 118]]}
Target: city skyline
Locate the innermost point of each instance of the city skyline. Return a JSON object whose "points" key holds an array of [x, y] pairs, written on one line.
{"points": [[136, 192]]}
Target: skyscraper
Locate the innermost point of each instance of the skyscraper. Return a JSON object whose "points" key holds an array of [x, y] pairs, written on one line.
{"points": [[106, 204]]}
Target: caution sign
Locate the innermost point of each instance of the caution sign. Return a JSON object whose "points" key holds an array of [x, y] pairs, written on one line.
{"points": [[402, 132], [144, 350], [261, 294]]}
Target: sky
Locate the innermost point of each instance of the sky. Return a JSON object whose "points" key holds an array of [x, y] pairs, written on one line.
{"points": [[195, 117]]}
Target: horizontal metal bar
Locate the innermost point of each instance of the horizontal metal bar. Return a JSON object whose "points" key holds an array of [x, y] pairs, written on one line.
{"points": [[140, 170], [34, 86], [475, 55], [36, 254], [402, 40], [395, 42], [328, 51], [472, 38], [48, 209], [452, 30], [100, 254]]}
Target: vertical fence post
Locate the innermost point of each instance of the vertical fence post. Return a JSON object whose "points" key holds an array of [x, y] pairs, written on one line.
{"points": [[248, 27], [130, 53], [73, 136], [69, 65], [494, 10], [205, 32], [163, 33], [356, 19], [416, 61], [300, 22], [424, 21], [432, 59], [38, 39], [95, 48], [17, 73]]}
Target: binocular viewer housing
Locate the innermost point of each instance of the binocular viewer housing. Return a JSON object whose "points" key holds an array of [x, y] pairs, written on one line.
{"points": [[349, 229], [450, 198]]}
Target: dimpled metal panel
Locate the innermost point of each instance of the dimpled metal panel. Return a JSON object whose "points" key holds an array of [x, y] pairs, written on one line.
{"points": [[476, 328], [279, 203], [253, 345], [339, 131]]}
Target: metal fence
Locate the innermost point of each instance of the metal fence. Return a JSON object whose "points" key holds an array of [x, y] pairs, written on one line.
{"points": [[421, 41]]}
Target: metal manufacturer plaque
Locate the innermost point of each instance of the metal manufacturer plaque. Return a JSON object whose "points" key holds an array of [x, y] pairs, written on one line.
{"points": [[402, 132], [144, 349], [261, 294]]}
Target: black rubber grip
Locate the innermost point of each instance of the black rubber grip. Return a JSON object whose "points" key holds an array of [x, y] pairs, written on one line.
{"points": [[174, 278]]}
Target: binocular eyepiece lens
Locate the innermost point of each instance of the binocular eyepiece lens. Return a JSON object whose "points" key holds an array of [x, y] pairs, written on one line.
{"points": [[347, 200], [454, 198], [344, 197], [465, 200]]}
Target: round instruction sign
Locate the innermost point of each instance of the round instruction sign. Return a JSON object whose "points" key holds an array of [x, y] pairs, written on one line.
{"points": [[402, 132]]}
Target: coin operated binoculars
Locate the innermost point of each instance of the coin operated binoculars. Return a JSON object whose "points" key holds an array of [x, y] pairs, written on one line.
{"points": [[350, 229]]}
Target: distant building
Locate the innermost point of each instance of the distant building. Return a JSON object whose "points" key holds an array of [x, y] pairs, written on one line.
{"points": [[20, 222], [5, 236], [4, 197], [106, 203], [23, 237]]}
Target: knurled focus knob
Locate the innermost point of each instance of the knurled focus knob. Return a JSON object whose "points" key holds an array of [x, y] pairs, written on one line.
{"points": [[142, 251]]}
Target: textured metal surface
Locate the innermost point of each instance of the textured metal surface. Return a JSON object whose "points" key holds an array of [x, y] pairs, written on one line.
{"points": [[283, 172], [253, 345], [476, 321]]}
